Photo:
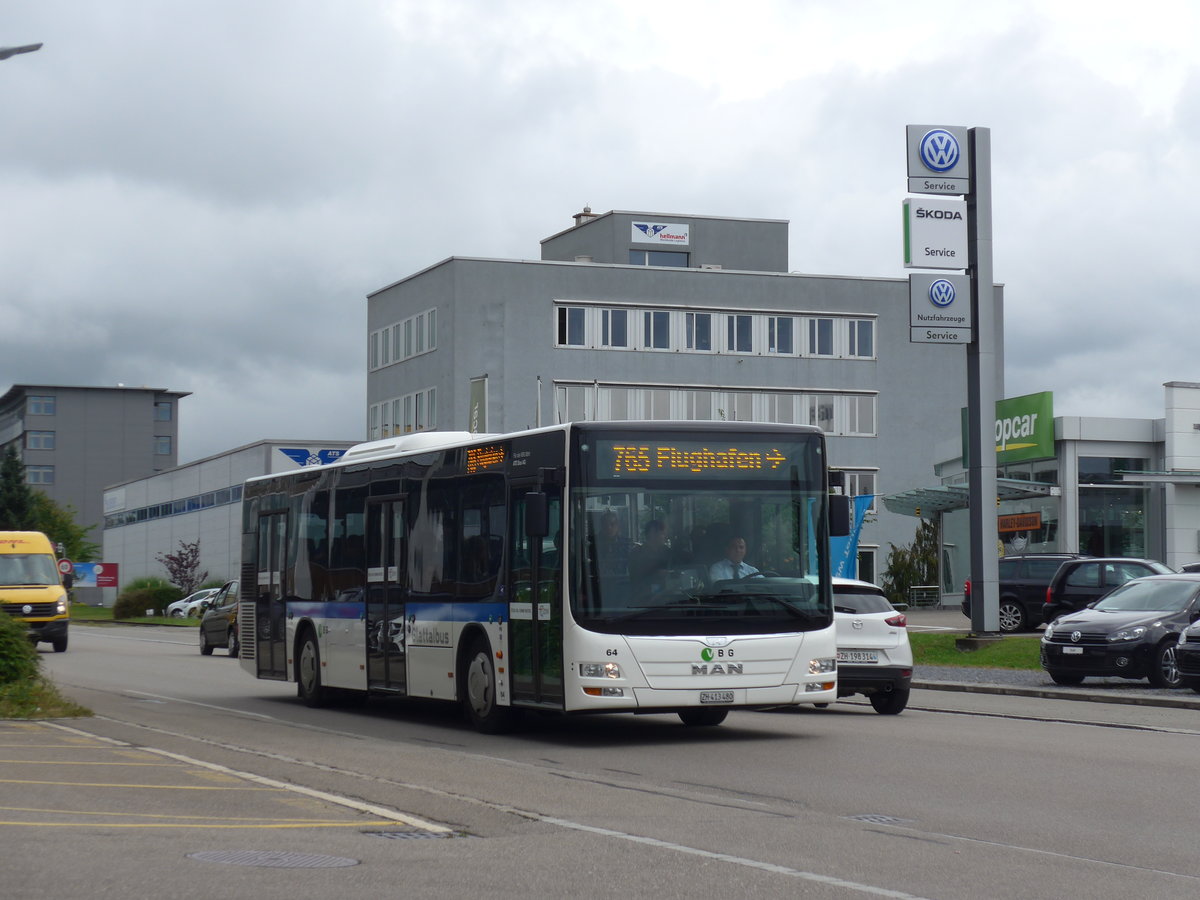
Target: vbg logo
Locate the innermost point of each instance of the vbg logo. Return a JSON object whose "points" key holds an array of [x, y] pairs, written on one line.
{"points": [[939, 150], [941, 293]]}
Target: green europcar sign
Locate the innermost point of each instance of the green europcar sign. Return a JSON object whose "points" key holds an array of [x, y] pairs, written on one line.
{"points": [[1024, 429]]}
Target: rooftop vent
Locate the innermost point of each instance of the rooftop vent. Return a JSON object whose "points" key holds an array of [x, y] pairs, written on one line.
{"points": [[582, 218]]}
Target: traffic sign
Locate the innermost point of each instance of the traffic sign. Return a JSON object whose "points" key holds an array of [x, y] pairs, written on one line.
{"points": [[66, 567]]}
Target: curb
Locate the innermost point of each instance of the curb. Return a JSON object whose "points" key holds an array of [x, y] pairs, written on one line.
{"points": [[1053, 694]]}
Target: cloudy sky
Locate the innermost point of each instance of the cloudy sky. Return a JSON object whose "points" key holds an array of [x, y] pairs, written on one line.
{"points": [[199, 194]]}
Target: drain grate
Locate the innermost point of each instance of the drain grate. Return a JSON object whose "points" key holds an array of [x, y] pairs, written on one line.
{"points": [[273, 859], [411, 835], [877, 819]]}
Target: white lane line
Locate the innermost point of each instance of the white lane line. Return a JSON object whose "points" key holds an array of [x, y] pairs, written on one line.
{"points": [[773, 868]]}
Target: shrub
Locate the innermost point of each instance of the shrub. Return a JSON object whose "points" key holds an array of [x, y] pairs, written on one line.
{"points": [[134, 602], [19, 660]]}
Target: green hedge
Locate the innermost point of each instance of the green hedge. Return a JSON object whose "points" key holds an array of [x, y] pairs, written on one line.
{"points": [[133, 602]]}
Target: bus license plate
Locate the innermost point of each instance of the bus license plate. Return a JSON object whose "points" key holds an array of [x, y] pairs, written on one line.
{"points": [[857, 656], [716, 696]]}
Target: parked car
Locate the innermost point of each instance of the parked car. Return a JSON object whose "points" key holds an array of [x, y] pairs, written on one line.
{"points": [[1133, 632], [218, 628], [1023, 579], [1080, 581], [1187, 656], [1190, 567], [192, 605], [873, 653]]}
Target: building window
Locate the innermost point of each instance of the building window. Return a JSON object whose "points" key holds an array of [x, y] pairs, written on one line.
{"points": [[740, 336], [820, 411], [39, 440], [614, 328], [779, 335], [860, 414], [699, 331], [860, 484], [39, 474], [658, 258], [40, 406], [373, 351], [862, 337], [820, 337], [163, 411], [656, 330], [570, 326], [162, 445]]}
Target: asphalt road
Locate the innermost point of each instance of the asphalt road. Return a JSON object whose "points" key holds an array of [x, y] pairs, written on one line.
{"points": [[195, 778]]}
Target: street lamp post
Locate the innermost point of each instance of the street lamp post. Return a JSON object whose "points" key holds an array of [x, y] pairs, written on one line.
{"points": [[6, 52]]}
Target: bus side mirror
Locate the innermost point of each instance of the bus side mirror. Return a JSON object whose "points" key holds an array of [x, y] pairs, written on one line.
{"points": [[537, 515], [68, 580], [839, 515]]}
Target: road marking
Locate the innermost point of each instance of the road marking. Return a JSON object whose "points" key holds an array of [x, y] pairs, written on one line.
{"points": [[271, 784]]}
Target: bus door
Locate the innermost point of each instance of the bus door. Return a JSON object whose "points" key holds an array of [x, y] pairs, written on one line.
{"points": [[386, 556], [270, 606], [535, 594]]}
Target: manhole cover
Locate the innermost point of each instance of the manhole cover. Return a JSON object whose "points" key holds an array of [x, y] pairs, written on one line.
{"points": [[876, 819], [411, 835], [273, 859]]}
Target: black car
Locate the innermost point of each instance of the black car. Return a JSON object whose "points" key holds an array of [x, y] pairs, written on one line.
{"points": [[1187, 656], [1080, 581], [1023, 578], [1133, 632], [218, 628]]}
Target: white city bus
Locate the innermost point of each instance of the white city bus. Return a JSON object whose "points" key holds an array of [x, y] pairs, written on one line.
{"points": [[566, 569]]}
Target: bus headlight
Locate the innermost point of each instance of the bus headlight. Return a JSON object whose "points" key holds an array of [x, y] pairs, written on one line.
{"points": [[599, 670], [61, 609], [822, 666]]}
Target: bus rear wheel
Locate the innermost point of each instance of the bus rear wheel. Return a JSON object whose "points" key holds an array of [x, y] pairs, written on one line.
{"points": [[479, 691], [694, 718], [308, 672]]}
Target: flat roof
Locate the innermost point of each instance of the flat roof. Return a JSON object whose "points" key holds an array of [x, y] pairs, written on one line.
{"points": [[949, 497]]}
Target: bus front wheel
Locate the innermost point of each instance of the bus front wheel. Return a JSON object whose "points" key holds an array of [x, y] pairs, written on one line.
{"points": [[308, 672], [479, 691]]}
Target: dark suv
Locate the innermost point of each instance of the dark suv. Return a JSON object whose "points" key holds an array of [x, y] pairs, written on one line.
{"points": [[1082, 581], [1023, 578]]}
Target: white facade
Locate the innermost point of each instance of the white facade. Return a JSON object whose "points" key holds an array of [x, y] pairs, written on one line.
{"points": [[200, 501]]}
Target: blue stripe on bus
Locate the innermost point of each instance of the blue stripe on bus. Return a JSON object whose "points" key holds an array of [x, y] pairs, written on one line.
{"points": [[427, 612]]}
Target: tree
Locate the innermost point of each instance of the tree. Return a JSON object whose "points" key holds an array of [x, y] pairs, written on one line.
{"points": [[183, 566], [916, 564], [16, 497], [58, 523]]}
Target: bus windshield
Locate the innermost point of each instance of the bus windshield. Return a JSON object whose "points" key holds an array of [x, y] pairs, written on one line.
{"points": [[700, 535]]}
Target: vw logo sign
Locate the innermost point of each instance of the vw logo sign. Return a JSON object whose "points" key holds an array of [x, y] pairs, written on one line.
{"points": [[1076, 637], [941, 293], [26, 609], [939, 150]]}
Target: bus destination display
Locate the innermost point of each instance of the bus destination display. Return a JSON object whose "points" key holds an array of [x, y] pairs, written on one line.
{"points": [[689, 459]]}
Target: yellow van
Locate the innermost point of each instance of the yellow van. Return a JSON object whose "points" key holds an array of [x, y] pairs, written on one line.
{"points": [[31, 590]]}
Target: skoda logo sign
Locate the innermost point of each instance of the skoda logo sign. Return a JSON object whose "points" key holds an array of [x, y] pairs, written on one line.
{"points": [[939, 150], [941, 293]]}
